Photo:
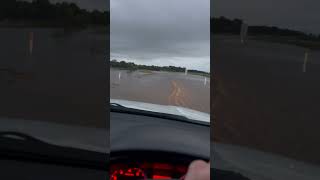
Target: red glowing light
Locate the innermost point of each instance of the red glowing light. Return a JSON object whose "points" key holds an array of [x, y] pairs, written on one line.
{"points": [[160, 177], [156, 170], [162, 166], [131, 172], [128, 174]]}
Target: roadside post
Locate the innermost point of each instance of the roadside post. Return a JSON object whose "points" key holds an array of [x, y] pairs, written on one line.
{"points": [[305, 61], [31, 42], [243, 33]]}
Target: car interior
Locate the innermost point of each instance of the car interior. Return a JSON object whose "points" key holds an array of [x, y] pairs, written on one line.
{"points": [[146, 147]]}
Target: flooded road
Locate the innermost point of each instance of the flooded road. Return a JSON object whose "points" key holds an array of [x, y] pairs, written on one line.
{"points": [[165, 88], [50, 74], [267, 97]]}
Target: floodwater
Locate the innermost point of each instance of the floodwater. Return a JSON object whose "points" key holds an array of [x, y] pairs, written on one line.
{"points": [[265, 98], [165, 88], [53, 75]]}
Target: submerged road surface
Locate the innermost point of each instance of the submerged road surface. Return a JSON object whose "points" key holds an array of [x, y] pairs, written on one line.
{"points": [[163, 88], [267, 96], [60, 79]]}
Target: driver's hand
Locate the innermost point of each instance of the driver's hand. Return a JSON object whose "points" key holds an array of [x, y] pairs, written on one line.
{"points": [[198, 170]]}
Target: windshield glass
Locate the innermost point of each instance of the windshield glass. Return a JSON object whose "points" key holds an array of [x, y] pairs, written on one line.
{"points": [[51, 70], [160, 53], [266, 91]]}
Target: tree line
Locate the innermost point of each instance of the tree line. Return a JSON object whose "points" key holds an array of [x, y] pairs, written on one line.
{"points": [[45, 13], [133, 67], [225, 25]]}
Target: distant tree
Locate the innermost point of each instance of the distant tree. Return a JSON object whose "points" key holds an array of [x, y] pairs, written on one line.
{"points": [[64, 13], [7, 8], [132, 66], [225, 25], [237, 22]]}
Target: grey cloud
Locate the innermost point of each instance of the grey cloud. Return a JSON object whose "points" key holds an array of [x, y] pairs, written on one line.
{"points": [[302, 15], [161, 29]]}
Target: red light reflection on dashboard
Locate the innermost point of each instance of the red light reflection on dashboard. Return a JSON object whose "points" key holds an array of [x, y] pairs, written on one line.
{"points": [[162, 166], [147, 170], [131, 172], [160, 177]]}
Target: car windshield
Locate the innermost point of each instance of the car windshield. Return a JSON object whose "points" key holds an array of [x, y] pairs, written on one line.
{"points": [[51, 71], [266, 91], [160, 55]]}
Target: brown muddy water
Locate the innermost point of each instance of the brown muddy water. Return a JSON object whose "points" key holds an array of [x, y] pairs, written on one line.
{"points": [[165, 88], [61, 78], [265, 99]]}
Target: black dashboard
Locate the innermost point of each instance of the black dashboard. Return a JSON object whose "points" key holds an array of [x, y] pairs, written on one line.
{"points": [[131, 132], [148, 165], [31, 159], [155, 148], [27, 170], [145, 146]]}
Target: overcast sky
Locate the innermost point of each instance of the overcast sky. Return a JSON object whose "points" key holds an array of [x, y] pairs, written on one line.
{"points": [[161, 32], [301, 15]]}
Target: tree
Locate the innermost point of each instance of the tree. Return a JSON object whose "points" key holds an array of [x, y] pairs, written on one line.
{"points": [[44, 12], [6, 8]]}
